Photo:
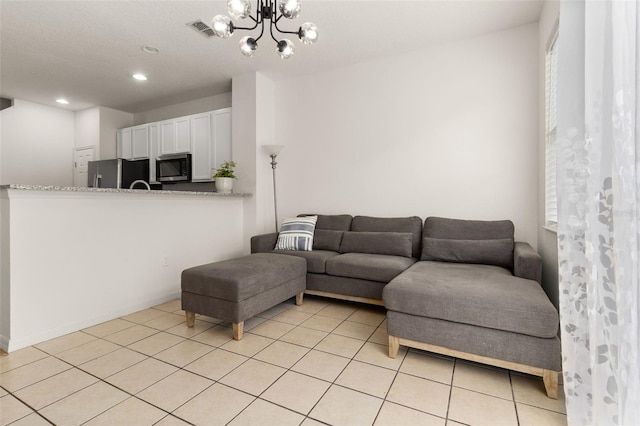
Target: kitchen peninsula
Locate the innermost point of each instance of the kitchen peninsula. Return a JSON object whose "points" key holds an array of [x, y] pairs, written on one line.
{"points": [[73, 257]]}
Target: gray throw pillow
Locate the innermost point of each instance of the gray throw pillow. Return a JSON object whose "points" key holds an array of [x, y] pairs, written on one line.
{"points": [[389, 243], [325, 239]]}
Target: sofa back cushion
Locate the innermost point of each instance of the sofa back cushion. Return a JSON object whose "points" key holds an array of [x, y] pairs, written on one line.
{"points": [[389, 243], [411, 225], [325, 239], [468, 241], [334, 222]]}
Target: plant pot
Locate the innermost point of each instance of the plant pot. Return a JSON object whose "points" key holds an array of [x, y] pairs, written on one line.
{"points": [[224, 185]]}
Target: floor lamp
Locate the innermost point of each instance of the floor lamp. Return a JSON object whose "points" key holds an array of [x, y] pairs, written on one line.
{"points": [[273, 151]]}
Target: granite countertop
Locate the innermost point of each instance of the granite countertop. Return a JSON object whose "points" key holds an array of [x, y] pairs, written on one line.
{"points": [[115, 190]]}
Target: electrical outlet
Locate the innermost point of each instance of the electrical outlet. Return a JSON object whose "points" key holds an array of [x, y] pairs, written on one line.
{"points": [[165, 260]]}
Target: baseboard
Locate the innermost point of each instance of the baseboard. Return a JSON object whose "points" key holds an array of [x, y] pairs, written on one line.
{"points": [[9, 345]]}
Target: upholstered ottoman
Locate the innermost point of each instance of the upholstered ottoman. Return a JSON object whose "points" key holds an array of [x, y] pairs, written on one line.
{"points": [[237, 289]]}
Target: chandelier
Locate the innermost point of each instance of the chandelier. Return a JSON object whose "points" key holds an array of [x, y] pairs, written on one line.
{"points": [[223, 27]]}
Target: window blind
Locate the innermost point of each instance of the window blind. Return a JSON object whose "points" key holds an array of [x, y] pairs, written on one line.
{"points": [[551, 107]]}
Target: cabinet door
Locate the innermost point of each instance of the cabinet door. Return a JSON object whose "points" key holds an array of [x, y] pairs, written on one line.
{"points": [[123, 143], [167, 131], [153, 151], [201, 147], [183, 139], [221, 137], [139, 142]]}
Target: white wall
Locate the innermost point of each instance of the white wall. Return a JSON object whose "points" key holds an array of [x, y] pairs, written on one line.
{"points": [[36, 145], [81, 258], [446, 131], [547, 240], [196, 106]]}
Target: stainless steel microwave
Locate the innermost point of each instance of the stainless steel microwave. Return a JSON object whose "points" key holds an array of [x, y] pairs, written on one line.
{"points": [[173, 168]]}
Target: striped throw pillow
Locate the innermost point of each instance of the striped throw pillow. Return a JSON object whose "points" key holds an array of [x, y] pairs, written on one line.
{"points": [[297, 234]]}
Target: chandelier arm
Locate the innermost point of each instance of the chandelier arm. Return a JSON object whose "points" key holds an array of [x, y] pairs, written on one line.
{"points": [[261, 32], [271, 25], [275, 23]]}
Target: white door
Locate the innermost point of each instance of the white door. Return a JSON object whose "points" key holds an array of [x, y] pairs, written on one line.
{"points": [[81, 158]]}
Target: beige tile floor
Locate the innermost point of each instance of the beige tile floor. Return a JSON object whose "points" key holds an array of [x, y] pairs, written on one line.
{"points": [[324, 362]]}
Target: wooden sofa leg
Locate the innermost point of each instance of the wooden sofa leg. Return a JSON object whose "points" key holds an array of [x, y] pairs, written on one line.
{"points": [[299, 297], [238, 328], [550, 379], [191, 318], [394, 345]]}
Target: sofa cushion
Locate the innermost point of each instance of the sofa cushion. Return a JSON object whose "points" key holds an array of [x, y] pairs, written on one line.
{"points": [[391, 243], [334, 222], [316, 259], [374, 267], [481, 295], [468, 241], [412, 225], [296, 234], [325, 239]]}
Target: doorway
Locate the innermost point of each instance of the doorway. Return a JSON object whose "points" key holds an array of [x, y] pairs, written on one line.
{"points": [[81, 158]]}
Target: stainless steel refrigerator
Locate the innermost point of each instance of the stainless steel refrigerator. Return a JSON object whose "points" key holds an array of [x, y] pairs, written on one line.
{"points": [[117, 173]]}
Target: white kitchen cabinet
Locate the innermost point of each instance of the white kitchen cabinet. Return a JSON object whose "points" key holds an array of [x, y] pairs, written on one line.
{"points": [[207, 136], [133, 143], [201, 138], [153, 151], [210, 142], [123, 143], [221, 151], [175, 136], [139, 142]]}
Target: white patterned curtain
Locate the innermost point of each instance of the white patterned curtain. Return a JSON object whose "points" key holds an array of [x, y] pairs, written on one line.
{"points": [[598, 162]]}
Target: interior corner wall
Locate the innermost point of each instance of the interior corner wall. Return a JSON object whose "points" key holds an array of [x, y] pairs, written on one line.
{"points": [[110, 121], [451, 131], [196, 106], [36, 145], [253, 125], [87, 128], [547, 239]]}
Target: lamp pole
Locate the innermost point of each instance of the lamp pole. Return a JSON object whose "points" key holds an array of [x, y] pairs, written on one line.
{"points": [[273, 151], [275, 200]]}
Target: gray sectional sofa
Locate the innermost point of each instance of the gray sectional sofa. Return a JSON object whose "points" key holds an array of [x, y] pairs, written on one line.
{"points": [[455, 287]]}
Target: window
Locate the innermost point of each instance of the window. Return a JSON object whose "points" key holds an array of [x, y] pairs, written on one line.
{"points": [[551, 103]]}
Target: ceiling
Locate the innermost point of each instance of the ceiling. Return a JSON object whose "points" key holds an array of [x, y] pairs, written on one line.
{"points": [[86, 51]]}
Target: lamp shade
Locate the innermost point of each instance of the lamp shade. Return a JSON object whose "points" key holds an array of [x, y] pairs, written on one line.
{"points": [[272, 149]]}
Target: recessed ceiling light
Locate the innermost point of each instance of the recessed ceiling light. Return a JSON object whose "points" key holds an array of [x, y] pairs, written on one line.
{"points": [[150, 49], [140, 77], [62, 101]]}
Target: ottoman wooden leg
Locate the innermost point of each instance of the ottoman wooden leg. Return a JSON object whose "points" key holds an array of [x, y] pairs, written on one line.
{"points": [[299, 297], [191, 318], [238, 328]]}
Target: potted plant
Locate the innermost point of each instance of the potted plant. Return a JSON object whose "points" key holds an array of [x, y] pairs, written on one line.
{"points": [[224, 177]]}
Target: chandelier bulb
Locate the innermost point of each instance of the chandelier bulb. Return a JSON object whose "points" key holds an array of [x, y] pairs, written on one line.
{"points": [[285, 48], [289, 8], [308, 33], [239, 9], [222, 26], [248, 46]]}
